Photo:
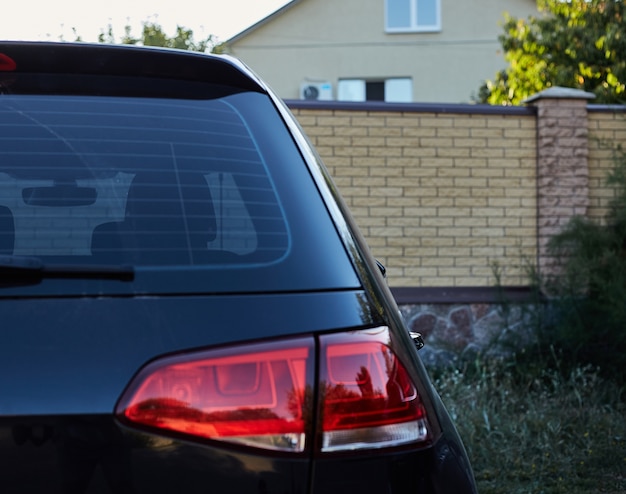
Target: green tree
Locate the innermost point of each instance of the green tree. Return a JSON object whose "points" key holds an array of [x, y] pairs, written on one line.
{"points": [[153, 35], [572, 43]]}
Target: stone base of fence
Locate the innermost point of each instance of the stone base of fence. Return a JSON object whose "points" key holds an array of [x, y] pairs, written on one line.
{"points": [[460, 324]]}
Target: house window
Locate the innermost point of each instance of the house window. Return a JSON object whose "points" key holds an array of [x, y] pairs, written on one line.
{"points": [[392, 90], [403, 16]]}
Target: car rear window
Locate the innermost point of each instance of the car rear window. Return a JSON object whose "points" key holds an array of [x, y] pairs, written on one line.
{"points": [[161, 184]]}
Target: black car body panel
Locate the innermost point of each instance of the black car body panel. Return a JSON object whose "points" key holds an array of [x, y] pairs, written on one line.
{"points": [[75, 347], [170, 243]]}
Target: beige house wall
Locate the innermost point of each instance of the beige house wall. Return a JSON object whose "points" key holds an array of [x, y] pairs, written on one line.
{"points": [[448, 197], [327, 40]]}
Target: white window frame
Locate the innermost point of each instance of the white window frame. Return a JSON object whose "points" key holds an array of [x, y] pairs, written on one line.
{"points": [[397, 89], [351, 90], [413, 25]]}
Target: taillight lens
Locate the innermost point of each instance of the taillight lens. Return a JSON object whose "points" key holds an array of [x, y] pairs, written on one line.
{"points": [[253, 395], [262, 395], [367, 398]]}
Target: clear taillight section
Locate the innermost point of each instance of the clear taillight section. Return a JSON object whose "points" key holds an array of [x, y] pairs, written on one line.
{"points": [[366, 396], [268, 395]]}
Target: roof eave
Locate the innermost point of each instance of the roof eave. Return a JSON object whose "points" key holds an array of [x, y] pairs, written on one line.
{"points": [[261, 23]]}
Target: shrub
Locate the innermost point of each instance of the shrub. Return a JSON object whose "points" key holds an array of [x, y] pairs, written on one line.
{"points": [[587, 322]]}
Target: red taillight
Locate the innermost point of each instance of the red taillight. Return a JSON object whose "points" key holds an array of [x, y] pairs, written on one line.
{"points": [[251, 395], [262, 395], [367, 398], [7, 64]]}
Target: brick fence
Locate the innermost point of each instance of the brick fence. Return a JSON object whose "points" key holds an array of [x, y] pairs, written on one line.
{"points": [[446, 193], [449, 195]]}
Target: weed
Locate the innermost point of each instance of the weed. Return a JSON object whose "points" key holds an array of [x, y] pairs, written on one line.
{"points": [[539, 431]]}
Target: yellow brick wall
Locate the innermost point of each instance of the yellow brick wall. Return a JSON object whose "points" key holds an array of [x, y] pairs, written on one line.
{"points": [[606, 130], [440, 197]]}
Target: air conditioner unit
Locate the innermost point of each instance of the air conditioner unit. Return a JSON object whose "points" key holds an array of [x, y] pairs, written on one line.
{"points": [[316, 90]]}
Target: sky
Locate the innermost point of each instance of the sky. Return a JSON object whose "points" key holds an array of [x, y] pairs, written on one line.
{"points": [[53, 19]]}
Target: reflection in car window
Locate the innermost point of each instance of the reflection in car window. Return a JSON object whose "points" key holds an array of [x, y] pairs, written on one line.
{"points": [[140, 181]]}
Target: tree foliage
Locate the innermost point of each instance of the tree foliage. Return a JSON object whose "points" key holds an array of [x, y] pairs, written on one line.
{"points": [[571, 43], [152, 34]]}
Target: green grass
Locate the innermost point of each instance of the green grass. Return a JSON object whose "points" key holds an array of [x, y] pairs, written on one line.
{"points": [[539, 430]]}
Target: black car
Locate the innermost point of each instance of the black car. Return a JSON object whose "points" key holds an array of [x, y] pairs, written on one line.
{"points": [[185, 303]]}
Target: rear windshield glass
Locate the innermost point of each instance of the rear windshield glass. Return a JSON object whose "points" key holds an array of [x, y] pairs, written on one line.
{"points": [[161, 185]]}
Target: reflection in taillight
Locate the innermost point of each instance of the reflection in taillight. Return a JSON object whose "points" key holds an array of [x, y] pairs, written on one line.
{"points": [[367, 399], [262, 395], [251, 395]]}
